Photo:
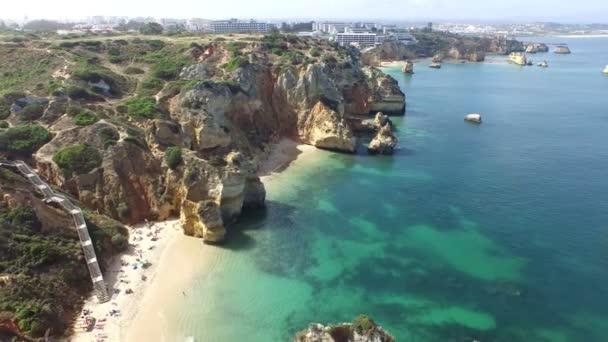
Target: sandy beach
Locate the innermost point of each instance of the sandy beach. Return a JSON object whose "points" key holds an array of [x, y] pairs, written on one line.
{"points": [[174, 259], [133, 271]]}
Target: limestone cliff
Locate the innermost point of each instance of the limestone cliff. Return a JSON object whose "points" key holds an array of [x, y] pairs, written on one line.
{"points": [[219, 107], [440, 46]]}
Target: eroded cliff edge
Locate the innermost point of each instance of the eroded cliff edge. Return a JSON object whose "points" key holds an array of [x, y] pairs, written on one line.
{"points": [[220, 107]]}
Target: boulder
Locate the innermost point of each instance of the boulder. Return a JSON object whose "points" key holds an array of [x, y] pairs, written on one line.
{"points": [[384, 142], [473, 117]]}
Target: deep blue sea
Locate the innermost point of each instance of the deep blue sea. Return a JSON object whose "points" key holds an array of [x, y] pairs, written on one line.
{"points": [[491, 232]]}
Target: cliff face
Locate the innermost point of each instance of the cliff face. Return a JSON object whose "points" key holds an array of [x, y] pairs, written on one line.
{"points": [[233, 99], [440, 46]]}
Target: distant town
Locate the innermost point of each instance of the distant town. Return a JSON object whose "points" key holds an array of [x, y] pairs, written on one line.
{"points": [[360, 34]]}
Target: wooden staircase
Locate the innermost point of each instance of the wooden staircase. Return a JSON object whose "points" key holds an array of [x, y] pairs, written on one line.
{"points": [[99, 284]]}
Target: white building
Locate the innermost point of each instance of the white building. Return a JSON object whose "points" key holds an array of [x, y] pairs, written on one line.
{"points": [[352, 29], [402, 35], [361, 40], [234, 25], [327, 27]]}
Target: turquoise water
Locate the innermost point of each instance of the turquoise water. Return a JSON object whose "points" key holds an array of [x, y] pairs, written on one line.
{"points": [[494, 232]]}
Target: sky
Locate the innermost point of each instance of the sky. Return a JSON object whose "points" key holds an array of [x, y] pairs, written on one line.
{"points": [[584, 11]]}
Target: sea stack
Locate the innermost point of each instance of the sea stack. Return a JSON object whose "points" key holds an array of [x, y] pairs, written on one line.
{"points": [[408, 68], [606, 70], [562, 50], [473, 117]]}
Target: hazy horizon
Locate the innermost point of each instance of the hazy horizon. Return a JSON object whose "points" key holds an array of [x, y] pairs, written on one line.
{"points": [[513, 11]]}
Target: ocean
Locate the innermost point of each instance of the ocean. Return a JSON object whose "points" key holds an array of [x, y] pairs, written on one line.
{"points": [[490, 232]]}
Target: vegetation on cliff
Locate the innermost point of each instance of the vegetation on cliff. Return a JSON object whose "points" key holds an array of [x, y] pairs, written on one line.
{"points": [[23, 139], [43, 275], [362, 329], [78, 159]]}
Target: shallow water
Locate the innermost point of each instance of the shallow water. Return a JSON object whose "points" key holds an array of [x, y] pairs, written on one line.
{"points": [[494, 232]]}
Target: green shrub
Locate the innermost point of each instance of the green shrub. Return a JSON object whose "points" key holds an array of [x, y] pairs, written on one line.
{"points": [[151, 29], [168, 68], [235, 63], [109, 136], [119, 242], [133, 71], [85, 118], [150, 86], [78, 93], [5, 109], [31, 112], [315, 52], [142, 107], [24, 139], [78, 159], [23, 216], [363, 324], [3, 124], [116, 59], [329, 59], [173, 157]]}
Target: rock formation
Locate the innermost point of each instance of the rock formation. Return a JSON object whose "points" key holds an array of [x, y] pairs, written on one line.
{"points": [[384, 142], [363, 329], [440, 46], [221, 118], [476, 118], [562, 50], [536, 47], [408, 67]]}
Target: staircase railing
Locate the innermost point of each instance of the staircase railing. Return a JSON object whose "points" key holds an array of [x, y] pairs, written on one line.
{"points": [[99, 284]]}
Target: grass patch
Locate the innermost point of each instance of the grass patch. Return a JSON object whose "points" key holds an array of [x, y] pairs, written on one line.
{"points": [[150, 86], [5, 109], [77, 159], [24, 139], [236, 62], [85, 118], [142, 107], [168, 68], [31, 112]]}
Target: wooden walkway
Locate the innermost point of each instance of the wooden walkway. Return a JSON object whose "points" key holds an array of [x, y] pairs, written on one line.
{"points": [[99, 284]]}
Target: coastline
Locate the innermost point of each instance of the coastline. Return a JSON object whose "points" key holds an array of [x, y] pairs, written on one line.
{"points": [[175, 260]]}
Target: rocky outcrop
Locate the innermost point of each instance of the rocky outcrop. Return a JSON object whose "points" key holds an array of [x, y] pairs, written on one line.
{"points": [[387, 51], [386, 95], [408, 67], [441, 45], [221, 120], [562, 50], [536, 47], [384, 142], [363, 329], [476, 118]]}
